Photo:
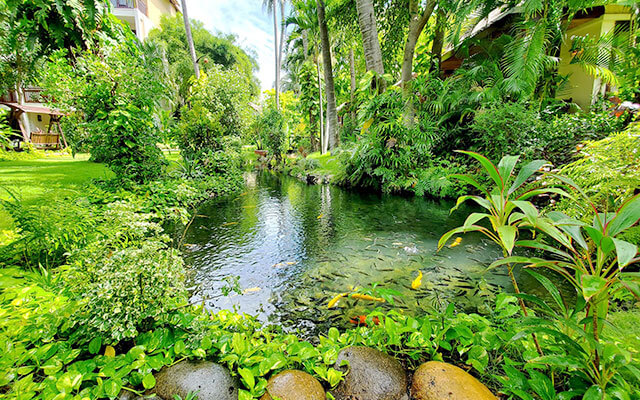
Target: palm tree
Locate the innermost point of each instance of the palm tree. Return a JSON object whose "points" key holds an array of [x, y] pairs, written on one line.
{"points": [[307, 34], [331, 137], [272, 7], [192, 49], [370, 41]]}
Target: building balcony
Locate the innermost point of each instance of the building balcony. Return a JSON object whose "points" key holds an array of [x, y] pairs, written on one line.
{"points": [[140, 5]]}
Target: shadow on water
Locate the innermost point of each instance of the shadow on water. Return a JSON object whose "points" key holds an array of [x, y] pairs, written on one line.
{"points": [[294, 247]]}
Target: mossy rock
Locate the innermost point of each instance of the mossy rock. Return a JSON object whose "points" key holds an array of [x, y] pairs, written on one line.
{"points": [[373, 375], [293, 385], [436, 380], [208, 380]]}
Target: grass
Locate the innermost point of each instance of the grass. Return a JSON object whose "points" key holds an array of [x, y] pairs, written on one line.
{"points": [[329, 164], [34, 180]]}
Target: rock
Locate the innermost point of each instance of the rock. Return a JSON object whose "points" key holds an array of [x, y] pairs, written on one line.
{"points": [[372, 375], [211, 381], [435, 380], [294, 385]]}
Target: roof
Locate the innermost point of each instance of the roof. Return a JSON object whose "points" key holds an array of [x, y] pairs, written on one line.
{"points": [[32, 109]]}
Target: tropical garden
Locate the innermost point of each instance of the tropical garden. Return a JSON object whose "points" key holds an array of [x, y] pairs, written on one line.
{"points": [[421, 182]]}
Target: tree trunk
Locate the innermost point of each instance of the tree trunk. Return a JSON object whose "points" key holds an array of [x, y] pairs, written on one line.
{"points": [[320, 102], [352, 70], [187, 30], [438, 43], [416, 24], [276, 84], [332, 114], [312, 133], [369, 31], [280, 47]]}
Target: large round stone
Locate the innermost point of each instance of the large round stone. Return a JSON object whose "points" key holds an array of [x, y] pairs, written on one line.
{"points": [[294, 385], [209, 380], [372, 375], [435, 380]]}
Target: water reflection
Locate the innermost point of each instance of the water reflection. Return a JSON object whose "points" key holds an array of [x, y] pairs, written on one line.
{"points": [[294, 247]]}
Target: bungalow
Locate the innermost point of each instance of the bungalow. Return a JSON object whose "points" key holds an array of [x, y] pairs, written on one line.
{"points": [[582, 88]]}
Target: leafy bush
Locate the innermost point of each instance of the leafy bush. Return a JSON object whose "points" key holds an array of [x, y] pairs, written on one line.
{"points": [[608, 170], [122, 292], [271, 128], [389, 156], [563, 134], [47, 232], [507, 128], [217, 107], [112, 95]]}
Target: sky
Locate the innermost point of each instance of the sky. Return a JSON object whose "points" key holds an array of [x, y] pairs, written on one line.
{"points": [[246, 19]]}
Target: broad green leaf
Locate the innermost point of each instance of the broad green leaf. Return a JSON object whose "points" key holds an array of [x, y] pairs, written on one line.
{"points": [[594, 393], [626, 252], [247, 377], [470, 181], [488, 166], [551, 288], [570, 226], [479, 200], [473, 218], [527, 208], [627, 216], [558, 361], [506, 166], [95, 345], [592, 285], [517, 260], [149, 381], [541, 246], [525, 173], [462, 229], [507, 235]]}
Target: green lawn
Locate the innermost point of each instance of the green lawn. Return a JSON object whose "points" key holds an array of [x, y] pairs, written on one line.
{"points": [[328, 163], [34, 180]]}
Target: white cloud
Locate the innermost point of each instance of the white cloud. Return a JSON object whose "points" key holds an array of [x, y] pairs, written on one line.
{"points": [[246, 19]]}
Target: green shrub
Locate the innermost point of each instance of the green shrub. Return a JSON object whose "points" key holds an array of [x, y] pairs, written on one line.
{"points": [[47, 232], [271, 127], [112, 96], [563, 134], [608, 171], [507, 128], [217, 107]]}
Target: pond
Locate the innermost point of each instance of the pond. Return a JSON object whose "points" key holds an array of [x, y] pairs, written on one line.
{"points": [[290, 248]]}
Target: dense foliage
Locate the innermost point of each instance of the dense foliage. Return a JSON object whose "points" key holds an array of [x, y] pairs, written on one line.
{"points": [[112, 97]]}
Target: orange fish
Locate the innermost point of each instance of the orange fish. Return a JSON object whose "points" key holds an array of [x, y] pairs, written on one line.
{"points": [[360, 320]]}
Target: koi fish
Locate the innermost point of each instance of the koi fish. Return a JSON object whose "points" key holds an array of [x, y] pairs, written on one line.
{"points": [[417, 282], [248, 206], [360, 320], [229, 223], [319, 216], [251, 290], [366, 297], [336, 299], [282, 264], [455, 242], [244, 194]]}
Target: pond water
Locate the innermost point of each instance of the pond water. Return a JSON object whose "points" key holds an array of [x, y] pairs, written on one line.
{"points": [[293, 247]]}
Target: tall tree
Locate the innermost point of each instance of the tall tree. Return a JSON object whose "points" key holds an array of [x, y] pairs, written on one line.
{"points": [[370, 40], [332, 139], [418, 17], [272, 7], [192, 49]]}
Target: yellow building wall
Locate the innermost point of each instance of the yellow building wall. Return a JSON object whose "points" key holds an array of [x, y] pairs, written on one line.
{"points": [[581, 87], [157, 8]]}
